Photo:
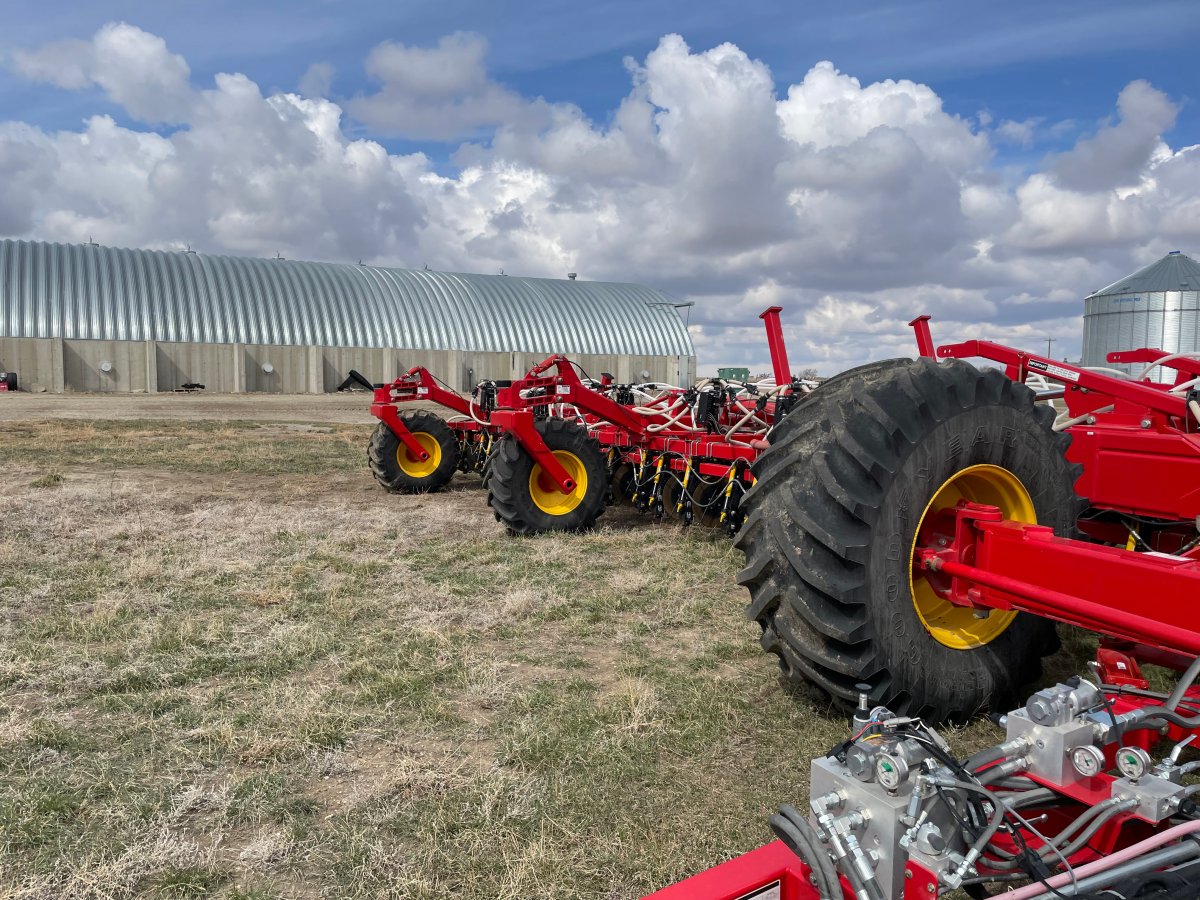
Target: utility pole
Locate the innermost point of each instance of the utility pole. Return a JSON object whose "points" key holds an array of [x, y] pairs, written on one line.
{"points": [[1049, 341]]}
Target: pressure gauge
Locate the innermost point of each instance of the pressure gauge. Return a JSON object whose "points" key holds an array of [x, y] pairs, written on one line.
{"points": [[1133, 762], [1088, 760], [891, 771]]}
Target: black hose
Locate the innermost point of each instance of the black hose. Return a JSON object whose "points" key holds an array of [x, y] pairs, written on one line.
{"points": [[982, 758], [1156, 715], [802, 839]]}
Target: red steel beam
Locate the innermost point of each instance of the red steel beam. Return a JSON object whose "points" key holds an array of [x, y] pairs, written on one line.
{"points": [[1142, 597], [390, 416], [1021, 363], [775, 343], [772, 869]]}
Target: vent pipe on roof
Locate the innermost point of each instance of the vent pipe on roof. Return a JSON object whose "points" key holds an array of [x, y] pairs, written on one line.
{"points": [[1173, 253], [571, 276]]}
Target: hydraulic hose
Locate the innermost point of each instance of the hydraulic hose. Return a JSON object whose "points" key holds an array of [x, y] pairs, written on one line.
{"points": [[1132, 852], [1155, 717], [1064, 844], [1151, 862], [791, 828], [989, 832], [983, 757], [1188, 678]]}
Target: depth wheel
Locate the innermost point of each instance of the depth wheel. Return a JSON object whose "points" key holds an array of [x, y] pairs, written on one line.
{"points": [[528, 502], [846, 494], [394, 466]]}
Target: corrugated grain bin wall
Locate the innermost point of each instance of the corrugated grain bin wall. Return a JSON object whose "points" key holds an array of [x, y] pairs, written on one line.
{"points": [[1157, 306]]}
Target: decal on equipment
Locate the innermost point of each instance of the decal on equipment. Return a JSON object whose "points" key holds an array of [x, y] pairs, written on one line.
{"points": [[766, 892], [1051, 369]]}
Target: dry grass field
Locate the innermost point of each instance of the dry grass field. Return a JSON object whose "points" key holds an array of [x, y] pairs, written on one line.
{"points": [[231, 667]]}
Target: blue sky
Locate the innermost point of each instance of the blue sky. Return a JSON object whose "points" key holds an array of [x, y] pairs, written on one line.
{"points": [[988, 162], [1059, 61]]}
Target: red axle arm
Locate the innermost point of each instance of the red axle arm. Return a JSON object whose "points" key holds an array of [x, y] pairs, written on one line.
{"points": [[1140, 597]]}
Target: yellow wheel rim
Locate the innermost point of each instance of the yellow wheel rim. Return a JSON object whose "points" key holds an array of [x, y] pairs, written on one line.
{"points": [[960, 627], [420, 468], [545, 493]]}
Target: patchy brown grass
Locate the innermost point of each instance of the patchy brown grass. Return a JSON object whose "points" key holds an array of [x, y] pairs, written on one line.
{"points": [[231, 667]]}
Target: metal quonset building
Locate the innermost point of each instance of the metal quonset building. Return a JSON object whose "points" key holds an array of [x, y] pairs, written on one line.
{"points": [[1158, 306], [92, 318]]}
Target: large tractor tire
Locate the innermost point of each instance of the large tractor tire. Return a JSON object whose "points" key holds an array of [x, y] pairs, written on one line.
{"points": [[10, 380], [833, 520], [393, 464], [527, 502]]}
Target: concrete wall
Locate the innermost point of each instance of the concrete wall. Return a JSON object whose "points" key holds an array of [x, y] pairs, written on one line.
{"points": [[57, 365], [37, 362], [105, 366]]}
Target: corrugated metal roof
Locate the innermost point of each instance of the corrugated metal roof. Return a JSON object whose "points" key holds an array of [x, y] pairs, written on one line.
{"points": [[84, 291], [1174, 272]]}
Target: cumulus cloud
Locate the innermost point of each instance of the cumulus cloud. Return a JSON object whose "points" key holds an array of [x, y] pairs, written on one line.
{"points": [[855, 206], [438, 93], [1019, 133], [134, 69], [1117, 155], [317, 80]]}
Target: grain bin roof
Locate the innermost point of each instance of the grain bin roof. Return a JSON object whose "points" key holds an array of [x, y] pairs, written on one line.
{"points": [[84, 291], [1174, 272]]}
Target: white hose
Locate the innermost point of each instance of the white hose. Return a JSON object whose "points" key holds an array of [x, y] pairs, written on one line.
{"points": [[471, 410], [753, 413], [675, 420], [1166, 359], [1062, 424], [1186, 386], [1133, 851]]}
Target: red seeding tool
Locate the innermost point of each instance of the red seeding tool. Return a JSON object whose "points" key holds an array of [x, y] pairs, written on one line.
{"points": [[915, 530], [916, 516], [556, 447], [419, 451]]}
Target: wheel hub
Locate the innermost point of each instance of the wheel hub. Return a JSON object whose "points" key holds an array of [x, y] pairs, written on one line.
{"points": [[420, 468], [951, 622], [545, 493]]}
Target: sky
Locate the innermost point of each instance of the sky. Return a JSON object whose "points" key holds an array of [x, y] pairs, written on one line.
{"points": [[857, 164]]}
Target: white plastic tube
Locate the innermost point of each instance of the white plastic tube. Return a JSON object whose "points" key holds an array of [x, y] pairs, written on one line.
{"points": [[1132, 852]]}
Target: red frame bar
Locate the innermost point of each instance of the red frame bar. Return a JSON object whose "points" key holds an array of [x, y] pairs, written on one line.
{"points": [[1020, 364], [745, 874], [775, 343], [920, 325], [1142, 457], [1136, 597], [520, 424], [1186, 367]]}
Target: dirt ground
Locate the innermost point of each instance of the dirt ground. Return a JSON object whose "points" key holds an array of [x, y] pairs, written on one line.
{"points": [[346, 409], [231, 666]]}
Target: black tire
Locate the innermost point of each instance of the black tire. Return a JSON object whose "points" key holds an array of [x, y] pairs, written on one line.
{"points": [[10, 379], [832, 517], [511, 472], [389, 467], [782, 428]]}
